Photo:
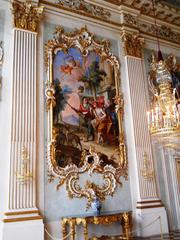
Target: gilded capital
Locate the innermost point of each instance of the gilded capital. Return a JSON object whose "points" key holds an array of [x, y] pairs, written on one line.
{"points": [[26, 15], [133, 44]]}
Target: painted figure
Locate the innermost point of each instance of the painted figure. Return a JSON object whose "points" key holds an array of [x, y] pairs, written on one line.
{"points": [[86, 116], [99, 122]]}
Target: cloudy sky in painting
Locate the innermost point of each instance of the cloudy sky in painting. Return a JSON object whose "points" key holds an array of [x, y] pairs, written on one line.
{"points": [[69, 68]]}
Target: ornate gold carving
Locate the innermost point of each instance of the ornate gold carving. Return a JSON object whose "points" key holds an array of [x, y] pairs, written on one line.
{"points": [[133, 44], [26, 15], [49, 93], [146, 172], [112, 169], [83, 7], [91, 190], [125, 218]]}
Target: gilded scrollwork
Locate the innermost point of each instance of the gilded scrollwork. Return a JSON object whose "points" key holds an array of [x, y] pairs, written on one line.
{"points": [[68, 154], [26, 15], [92, 190], [133, 44], [50, 98]]}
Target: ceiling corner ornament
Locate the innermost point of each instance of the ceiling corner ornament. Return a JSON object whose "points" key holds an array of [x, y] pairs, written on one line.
{"points": [[26, 15], [133, 44], [86, 7], [85, 110], [130, 20]]}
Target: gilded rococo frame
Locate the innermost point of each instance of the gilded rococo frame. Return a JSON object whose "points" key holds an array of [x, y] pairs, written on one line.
{"points": [[85, 42]]}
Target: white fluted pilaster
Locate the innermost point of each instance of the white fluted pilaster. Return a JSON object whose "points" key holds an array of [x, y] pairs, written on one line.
{"points": [[23, 132], [22, 219], [146, 204], [141, 134]]}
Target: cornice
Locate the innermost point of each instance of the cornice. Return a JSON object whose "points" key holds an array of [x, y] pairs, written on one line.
{"points": [[131, 19], [48, 4]]}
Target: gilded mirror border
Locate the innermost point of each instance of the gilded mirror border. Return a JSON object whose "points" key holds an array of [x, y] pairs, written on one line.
{"points": [[85, 42]]}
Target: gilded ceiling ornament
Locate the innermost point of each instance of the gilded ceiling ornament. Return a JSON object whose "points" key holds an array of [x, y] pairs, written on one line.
{"points": [[77, 56], [26, 15], [82, 6], [133, 44]]}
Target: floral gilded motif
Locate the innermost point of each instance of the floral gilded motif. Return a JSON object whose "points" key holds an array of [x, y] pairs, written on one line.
{"points": [[26, 15], [133, 44]]}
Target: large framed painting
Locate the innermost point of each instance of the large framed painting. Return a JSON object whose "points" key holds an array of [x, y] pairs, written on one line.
{"points": [[84, 105]]}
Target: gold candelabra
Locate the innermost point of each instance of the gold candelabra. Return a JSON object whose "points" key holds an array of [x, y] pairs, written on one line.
{"points": [[164, 116], [24, 175]]}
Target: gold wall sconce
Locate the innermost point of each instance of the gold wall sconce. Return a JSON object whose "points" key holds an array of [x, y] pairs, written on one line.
{"points": [[1, 53], [24, 176], [146, 173]]}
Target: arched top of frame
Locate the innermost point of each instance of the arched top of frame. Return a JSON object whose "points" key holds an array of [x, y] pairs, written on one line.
{"points": [[84, 40]]}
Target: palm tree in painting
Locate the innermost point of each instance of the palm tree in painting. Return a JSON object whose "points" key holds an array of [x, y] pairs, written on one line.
{"points": [[93, 77], [60, 100]]}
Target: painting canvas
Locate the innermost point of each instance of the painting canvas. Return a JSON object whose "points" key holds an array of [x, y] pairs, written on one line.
{"points": [[84, 114]]}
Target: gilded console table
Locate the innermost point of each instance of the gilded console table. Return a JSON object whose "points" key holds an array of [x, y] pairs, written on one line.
{"points": [[125, 218]]}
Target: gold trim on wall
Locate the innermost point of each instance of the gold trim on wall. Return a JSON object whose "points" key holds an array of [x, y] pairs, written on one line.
{"points": [[22, 219], [153, 201], [21, 213], [150, 206]]}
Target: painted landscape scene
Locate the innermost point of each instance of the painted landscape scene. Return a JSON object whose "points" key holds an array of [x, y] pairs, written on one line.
{"points": [[84, 114]]}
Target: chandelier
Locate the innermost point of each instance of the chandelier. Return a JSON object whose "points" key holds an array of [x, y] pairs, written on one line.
{"points": [[164, 116]]}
